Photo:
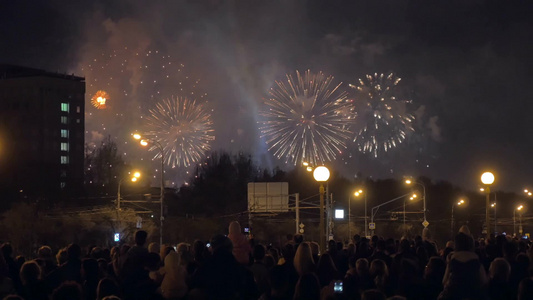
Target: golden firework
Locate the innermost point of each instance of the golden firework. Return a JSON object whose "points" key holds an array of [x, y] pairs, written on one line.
{"points": [[99, 99]]}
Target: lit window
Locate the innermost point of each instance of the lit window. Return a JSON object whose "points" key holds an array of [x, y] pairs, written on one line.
{"points": [[64, 160], [78, 109], [64, 120], [64, 147], [62, 185], [64, 133], [78, 121], [64, 107]]}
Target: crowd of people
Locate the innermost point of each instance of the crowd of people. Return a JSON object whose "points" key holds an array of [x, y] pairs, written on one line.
{"points": [[234, 266]]}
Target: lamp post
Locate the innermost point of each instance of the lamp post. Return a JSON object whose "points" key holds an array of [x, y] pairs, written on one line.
{"points": [[493, 205], [487, 179], [410, 181], [145, 143], [519, 208], [356, 194], [452, 225], [321, 175], [133, 178]]}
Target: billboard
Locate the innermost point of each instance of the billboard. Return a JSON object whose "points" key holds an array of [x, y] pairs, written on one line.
{"points": [[268, 197]]}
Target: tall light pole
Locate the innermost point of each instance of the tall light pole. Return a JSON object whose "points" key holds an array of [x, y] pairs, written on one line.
{"points": [[487, 179], [133, 178], [144, 143], [461, 202], [321, 175], [366, 217], [356, 194], [409, 182], [519, 208], [493, 205]]}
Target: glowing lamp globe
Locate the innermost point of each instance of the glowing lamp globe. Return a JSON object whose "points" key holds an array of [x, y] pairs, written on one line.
{"points": [[321, 174], [487, 178]]}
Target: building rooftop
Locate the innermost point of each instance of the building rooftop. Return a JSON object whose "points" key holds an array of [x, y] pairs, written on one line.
{"points": [[11, 71]]}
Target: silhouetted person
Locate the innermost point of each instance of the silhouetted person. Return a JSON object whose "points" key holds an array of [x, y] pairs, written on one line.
{"points": [[373, 295], [288, 253], [259, 269], [525, 289], [433, 275], [379, 253], [326, 270], [222, 276], [303, 259], [380, 275], [241, 247], [69, 271], [89, 271], [69, 290], [278, 281], [139, 249], [465, 275], [45, 253], [33, 288], [174, 283], [107, 287], [307, 288], [6, 284], [13, 267], [499, 272]]}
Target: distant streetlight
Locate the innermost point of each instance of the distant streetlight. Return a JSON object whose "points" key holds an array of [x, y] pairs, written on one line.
{"points": [[357, 193], [459, 203], [134, 177], [518, 208], [144, 143], [487, 179], [409, 182], [321, 175]]}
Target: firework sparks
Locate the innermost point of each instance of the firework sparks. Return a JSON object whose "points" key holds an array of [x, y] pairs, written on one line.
{"points": [[305, 120], [382, 121], [183, 129], [99, 99]]}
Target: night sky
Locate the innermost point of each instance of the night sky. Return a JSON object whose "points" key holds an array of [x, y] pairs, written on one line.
{"points": [[465, 65]]}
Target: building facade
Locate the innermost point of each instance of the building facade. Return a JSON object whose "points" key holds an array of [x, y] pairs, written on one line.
{"points": [[41, 133]]}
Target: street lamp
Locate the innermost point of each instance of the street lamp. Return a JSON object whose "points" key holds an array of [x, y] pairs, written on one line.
{"points": [[144, 143], [487, 179], [461, 202], [528, 192], [133, 178], [409, 182], [413, 197], [321, 175], [519, 208], [356, 194]]}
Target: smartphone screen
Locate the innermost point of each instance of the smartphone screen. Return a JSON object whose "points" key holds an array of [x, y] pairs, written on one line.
{"points": [[337, 288]]}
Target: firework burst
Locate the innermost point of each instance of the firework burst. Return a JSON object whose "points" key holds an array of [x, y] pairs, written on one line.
{"points": [[382, 120], [304, 120], [99, 99], [183, 128]]}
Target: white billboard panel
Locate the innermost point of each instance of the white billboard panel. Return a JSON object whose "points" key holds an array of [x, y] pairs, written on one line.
{"points": [[268, 196]]}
